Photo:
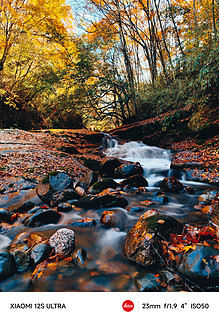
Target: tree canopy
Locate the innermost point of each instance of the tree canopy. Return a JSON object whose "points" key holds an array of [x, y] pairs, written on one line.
{"points": [[108, 62]]}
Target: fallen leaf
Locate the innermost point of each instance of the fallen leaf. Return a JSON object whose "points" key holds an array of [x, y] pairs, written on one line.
{"points": [[146, 202], [161, 221]]}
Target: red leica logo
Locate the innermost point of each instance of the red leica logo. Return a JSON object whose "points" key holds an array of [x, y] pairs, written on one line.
{"points": [[128, 305]]}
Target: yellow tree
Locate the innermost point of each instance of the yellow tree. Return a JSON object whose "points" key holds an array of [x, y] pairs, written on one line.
{"points": [[33, 24]]}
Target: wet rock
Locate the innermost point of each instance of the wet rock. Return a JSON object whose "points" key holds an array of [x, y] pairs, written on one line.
{"points": [[64, 207], [141, 190], [21, 256], [16, 184], [103, 184], [97, 202], [171, 185], [87, 180], [7, 265], [87, 222], [80, 191], [128, 170], [161, 198], [5, 215], [190, 190], [25, 207], [108, 166], [147, 281], [23, 237], [63, 241], [79, 256], [136, 209], [141, 242], [148, 214], [114, 218], [201, 265], [18, 246], [53, 182], [167, 276], [207, 209], [22, 260], [33, 238], [63, 196], [35, 209], [207, 197], [43, 217], [135, 181], [60, 181], [44, 270], [40, 252], [44, 191]]}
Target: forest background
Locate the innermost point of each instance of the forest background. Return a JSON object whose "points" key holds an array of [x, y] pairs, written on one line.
{"points": [[104, 63]]}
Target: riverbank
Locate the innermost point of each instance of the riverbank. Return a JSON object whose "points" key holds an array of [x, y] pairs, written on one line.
{"points": [[33, 154]]}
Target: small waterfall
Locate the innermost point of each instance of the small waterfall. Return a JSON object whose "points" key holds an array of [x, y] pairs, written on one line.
{"points": [[108, 142], [136, 150], [155, 161]]}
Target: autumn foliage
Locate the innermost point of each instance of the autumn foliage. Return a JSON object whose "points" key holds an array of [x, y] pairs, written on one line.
{"points": [[122, 62]]}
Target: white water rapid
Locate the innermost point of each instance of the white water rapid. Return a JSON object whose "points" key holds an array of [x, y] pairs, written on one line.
{"points": [[155, 161]]}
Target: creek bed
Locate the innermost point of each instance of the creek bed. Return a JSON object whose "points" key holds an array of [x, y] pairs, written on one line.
{"points": [[105, 267]]}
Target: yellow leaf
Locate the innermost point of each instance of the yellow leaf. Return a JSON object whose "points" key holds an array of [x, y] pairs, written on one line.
{"points": [[187, 248]]}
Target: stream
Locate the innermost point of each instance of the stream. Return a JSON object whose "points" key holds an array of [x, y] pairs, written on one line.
{"points": [[105, 267]]}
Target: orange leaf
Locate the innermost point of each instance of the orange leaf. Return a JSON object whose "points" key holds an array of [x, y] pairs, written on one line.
{"points": [[146, 202], [161, 221]]}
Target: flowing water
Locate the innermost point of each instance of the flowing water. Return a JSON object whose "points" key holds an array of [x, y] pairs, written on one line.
{"points": [[155, 161], [105, 268]]}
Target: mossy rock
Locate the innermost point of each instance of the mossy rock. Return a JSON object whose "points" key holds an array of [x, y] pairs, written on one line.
{"points": [[142, 241], [103, 184]]}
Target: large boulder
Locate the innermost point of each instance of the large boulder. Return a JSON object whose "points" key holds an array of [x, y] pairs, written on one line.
{"points": [[141, 243], [201, 265], [97, 202]]}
